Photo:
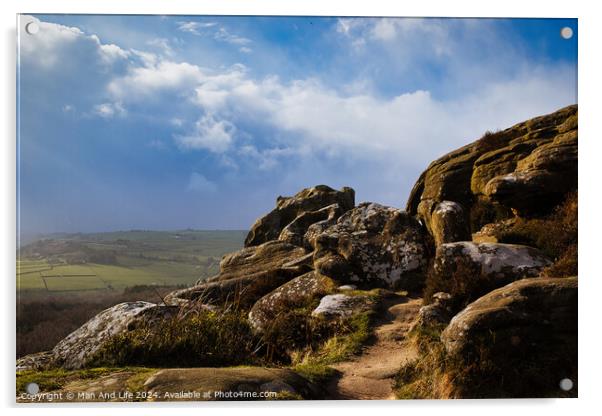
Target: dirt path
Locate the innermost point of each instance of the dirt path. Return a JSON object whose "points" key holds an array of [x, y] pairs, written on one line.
{"points": [[370, 374]]}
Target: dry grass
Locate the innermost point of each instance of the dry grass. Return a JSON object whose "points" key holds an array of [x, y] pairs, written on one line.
{"points": [[487, 372], [556, 235]]}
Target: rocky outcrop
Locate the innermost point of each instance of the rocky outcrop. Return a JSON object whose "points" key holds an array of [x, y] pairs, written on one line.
{"points": [[297, 293], [468, 270], [341, 305], [527, 328], [288, 209], [75, 350], [524, 312], [375, 246], [527, 168], [248, 274]]}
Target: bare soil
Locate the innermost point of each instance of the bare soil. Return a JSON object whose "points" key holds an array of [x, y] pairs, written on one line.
{"points": [[369, 375]]}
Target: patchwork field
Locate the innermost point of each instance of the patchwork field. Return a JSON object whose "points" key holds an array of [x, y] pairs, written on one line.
{"points": [[116, 260]]}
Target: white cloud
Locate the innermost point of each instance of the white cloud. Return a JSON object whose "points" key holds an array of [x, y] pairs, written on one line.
{"points": [[210, 134], [146, 80], [110, 53], [163, 45], [109, 110], [220, 33], [305, 117], [54, 43], [225, 36], [244, 49], [199, 183], [194, 27]]}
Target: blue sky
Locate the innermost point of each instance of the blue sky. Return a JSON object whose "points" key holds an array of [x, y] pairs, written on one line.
{"points": [[168, 122]]}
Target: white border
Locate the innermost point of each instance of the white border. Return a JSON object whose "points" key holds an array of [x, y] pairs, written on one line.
{"points": [[589, 175]]}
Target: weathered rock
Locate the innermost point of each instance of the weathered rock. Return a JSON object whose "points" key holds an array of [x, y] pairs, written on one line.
{"points": [[295, 232], [248, 274], [527, 329], [188, 384], [534, 153], [468, 270], [288, 209], [251, 261], [527, 309], [437, 313], [296, 293], [75, 350], [232, 383], [541, 179], [339, 305], [449, 223], [373, 245], [489, 232], [36, 361]]}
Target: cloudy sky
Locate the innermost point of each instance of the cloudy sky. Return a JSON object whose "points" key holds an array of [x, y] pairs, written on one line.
{"points": [[169, 122]]}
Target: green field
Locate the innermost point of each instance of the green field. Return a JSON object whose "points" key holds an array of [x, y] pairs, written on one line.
{"points": [[116, 260]]}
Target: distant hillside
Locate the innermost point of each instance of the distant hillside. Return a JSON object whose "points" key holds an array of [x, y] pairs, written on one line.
{"points": [[61, 262]]}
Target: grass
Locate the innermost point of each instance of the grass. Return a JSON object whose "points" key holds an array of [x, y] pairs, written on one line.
{"points": [[556, 235], [487, 371], [195, 338], [314, 364]]}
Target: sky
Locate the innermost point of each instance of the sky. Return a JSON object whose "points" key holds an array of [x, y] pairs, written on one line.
{"points": [[173, 122]]}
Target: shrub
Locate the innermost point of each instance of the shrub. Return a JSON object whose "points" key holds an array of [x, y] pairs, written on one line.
{"points": [[556, 235], [196, 338], [466, 283], [531, 372], [483, 212]]}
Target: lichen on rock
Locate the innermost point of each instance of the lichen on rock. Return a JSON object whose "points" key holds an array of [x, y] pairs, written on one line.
{"points": [[373, 245]]}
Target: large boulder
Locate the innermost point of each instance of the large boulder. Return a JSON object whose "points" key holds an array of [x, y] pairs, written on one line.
{"points": [[373, 246], [248, 274], [468, 270], [297, 293], [449, 223], [529, 166], [288, 209], [77, 348], [523, 336]]}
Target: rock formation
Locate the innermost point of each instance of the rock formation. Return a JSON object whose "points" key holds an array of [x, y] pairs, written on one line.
{"points": [[303, 203], [527, 168], [317, 254], [375, 246]]}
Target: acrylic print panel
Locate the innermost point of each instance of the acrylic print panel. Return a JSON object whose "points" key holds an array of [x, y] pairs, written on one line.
{"points": [[258, 208]]}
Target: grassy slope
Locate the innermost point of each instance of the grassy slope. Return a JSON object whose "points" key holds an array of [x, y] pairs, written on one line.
{"points": [[141, 257]]}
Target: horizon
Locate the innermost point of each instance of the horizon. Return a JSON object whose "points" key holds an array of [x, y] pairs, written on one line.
{"points": [[200, 122]]}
